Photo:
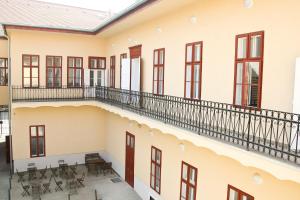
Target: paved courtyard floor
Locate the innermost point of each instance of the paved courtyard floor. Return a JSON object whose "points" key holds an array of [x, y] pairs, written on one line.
{"points": [[4, 173], [103, 184]]}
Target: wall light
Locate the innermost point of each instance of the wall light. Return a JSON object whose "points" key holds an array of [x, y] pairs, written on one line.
{"points": [[248, 3], [181, 146], [257, 179], [193, 19], [158, 30]]}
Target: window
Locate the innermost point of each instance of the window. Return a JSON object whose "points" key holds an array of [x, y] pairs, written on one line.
{"points": [[193, 70], [37, 141], [158, 71], [112, 71], [30, 70], [3, 72], [188, 182], [155, 169], [236, 194], [248, 69], [53, 71], [75, 71], [97, 62], [122, 56]]}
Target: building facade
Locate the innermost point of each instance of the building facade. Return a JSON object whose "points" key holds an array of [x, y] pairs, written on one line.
{"points": [[188, 99]]}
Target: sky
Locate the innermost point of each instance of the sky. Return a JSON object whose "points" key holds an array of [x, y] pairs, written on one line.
{"points": [[106, 5]]}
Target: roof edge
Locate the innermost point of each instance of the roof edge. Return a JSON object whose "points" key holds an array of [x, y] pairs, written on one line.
{"points": [[127, 12]]}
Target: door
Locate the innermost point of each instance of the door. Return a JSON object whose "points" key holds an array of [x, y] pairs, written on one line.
{"points": [[7, 146], [129, 162]]}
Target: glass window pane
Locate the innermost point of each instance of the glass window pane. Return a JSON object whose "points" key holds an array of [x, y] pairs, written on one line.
{"points": [[244, 197], [155, 57], [256, 44], [35, 72], [2, 62], [153, 154], [239, 73], [41, 130], [191, 193], [50, 61], [78, 62], [253, 95], [26, 82], [242, 47], [197, 52], [189, 53], [50, 73], [252, 72], [184, 172], [26, 60], [157, 184], [153, 169], [155, 87], [41, 146], [160, 87], [71, 62], [26, 72], [183, 190], [157, 172], [196, 90], [188, 89], [132, 142], [155, 73], [188, 73], [161, 74], [57, 61], [233, 195], [128, 140], [158, 155], [35, 60], [197, 72], [192, 176], [33, 146], [33, 131], [238, 95], [152, 181], [35, 82], [161, 57]]}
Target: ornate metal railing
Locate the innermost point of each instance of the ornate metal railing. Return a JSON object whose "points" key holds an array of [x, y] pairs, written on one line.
{"points": [[268, 132]]}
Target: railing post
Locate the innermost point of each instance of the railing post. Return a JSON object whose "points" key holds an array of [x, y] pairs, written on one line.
{"points": [[249, 126]]}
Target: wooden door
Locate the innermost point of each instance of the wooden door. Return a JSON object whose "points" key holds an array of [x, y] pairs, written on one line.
{"points": [[129, 162]]}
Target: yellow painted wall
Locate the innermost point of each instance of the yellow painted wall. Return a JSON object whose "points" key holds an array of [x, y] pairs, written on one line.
{"points": [[218, 24], [68, 130], [3, 89], [56, 44], [214, 172]]}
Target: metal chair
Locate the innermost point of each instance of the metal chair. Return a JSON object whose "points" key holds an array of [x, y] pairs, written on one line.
{"points": [[107, 167], [20, 176], [25, 190], [81, 180], [58, 185], [54, 171], [43, 173], [74, 168], [46, 186]]}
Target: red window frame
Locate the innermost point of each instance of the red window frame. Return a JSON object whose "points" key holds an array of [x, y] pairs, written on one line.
{"points": [[157, 65], [112, 70], [240, 193], [74, 72], [38, 137], [101, 62], [30, 66], [187, 182], [153, 169], [122, 56], [243, 61], [5, 71], [54, 67], [192, 63]]}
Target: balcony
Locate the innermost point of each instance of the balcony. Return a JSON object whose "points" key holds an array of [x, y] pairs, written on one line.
{"points": [[268, 132]]}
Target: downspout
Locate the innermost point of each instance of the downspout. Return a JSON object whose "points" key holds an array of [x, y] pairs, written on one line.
{"points": [[9, 100]]}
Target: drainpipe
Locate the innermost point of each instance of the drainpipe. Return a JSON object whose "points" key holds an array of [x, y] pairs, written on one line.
{"points": [[9, 101]]}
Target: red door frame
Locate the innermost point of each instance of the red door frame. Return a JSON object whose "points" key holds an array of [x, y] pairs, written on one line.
{"points": [[129, 158]]}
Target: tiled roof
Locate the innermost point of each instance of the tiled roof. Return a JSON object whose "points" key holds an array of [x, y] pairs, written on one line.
{"points": [[41, 14]]}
